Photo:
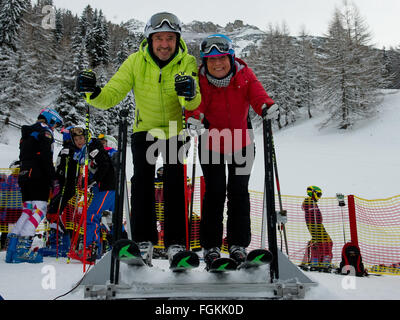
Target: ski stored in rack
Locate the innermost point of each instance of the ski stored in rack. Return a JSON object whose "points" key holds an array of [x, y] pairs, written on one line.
{"points": [[119, 191], [269, 197]]}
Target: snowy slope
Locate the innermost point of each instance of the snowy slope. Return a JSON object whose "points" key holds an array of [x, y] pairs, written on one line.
{"points": [[363, 161]]}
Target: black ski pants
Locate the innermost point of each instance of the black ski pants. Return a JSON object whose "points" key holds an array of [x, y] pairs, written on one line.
{"points": [[218, 188], [143, 216]]}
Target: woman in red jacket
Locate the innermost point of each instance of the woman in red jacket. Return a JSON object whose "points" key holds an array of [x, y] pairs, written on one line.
{"points": [[228, 87]]}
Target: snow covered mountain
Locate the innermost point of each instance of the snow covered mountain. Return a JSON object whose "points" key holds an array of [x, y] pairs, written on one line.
{"points": [[244, 36]]}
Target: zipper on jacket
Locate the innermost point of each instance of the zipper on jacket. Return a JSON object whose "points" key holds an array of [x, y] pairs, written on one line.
{"points": [[161, 96]]}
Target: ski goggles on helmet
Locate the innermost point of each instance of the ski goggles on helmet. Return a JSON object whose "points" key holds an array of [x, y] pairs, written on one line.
{"points": [[157, 20], [53, 119], [101, 136], [77, 131], [219, 42]]}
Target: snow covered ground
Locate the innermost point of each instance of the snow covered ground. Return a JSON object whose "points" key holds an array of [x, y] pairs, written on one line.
{"points": [[363, 161]]}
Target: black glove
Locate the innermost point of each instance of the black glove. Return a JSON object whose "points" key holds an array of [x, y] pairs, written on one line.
{"points": [[185, 86], [86, 81]]}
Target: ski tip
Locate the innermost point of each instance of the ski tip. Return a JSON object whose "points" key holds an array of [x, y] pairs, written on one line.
{"points": [[259, 257], [222, 265], [184, 260], [125, 249]]}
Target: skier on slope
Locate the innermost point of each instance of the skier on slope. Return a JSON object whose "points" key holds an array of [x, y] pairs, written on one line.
{"points": [[320, 243], [102, 183], [151, 72], [110, 145], [228, 88], [36, 178]]}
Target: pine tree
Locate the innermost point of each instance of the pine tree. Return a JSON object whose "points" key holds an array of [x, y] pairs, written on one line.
{"points": [[69, 103], [59, 31], [351, 71], [11, 15], [97, 41], [274, 65], [11, 68], [306, 73]]}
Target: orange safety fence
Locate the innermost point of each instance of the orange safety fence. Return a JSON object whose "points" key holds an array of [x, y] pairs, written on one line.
{"points": [[378, 231]]}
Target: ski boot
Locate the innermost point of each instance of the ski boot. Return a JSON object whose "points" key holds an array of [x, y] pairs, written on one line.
{"points": [[51, 249], [304, 266], [325, 265], [314, 265], [238, 254], [146, 251], [160, 253], [181, 259], [11, 247], [211, 255], [91, 253], [24, 252]]}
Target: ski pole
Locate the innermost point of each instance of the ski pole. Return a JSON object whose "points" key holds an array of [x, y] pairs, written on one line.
{"points": [[269, 199], [59, 205], [282, 213], [193, 184], [85, 191], [78, 178], [182, 102], [340, 198]]}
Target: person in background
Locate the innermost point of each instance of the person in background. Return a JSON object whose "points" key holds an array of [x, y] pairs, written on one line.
{"points": [[102, 182], [228, 88], [163, 76], [321, 243], [110, 145], [67, 169], [36, 178]]}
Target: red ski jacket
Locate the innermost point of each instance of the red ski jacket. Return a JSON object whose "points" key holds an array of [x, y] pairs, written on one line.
{"points": [[226, 109]]}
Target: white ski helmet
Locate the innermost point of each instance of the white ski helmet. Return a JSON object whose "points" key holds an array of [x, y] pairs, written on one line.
{"points": [[163, 22]]}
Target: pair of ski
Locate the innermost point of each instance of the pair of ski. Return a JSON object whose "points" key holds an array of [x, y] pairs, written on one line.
{"points": [[128, 252], [326, 269], [255, 258]]}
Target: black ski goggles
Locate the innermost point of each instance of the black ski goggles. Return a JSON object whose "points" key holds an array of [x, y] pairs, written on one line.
{"points": [[157, 20], [221, 44]]}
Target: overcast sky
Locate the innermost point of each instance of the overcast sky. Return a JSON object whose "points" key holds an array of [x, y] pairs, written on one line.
{"points": [[382, 16]]}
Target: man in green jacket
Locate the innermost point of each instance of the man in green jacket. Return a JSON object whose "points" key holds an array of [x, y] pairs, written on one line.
{"points": [[151, 73]]}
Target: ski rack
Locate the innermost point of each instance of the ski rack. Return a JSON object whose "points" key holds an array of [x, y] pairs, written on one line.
{"points": [[293, 284], [221, 291], [286, 281]]}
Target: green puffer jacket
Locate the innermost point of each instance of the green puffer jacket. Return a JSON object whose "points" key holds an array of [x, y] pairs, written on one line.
{"points": [[157, 105]]}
